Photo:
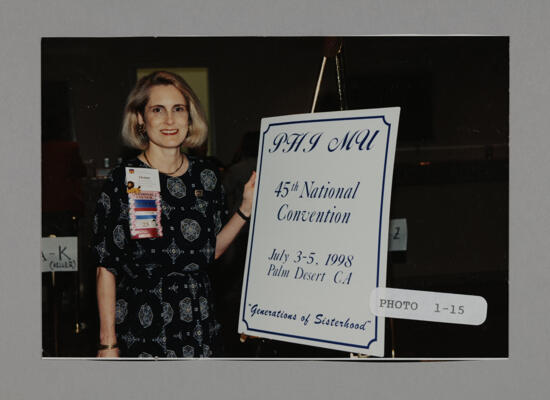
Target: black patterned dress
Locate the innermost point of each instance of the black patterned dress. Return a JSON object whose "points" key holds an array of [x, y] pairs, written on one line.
{"points": [[164, 304]]}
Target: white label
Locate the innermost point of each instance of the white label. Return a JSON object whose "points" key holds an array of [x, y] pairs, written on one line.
{"points": [[319, 230], [59, 254], [398, 234], [144, 179], [428, 306]]}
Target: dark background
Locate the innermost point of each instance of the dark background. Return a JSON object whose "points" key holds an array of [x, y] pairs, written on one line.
{"points": [[450, 181]]}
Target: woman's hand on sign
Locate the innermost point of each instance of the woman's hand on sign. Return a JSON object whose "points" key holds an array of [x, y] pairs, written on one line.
{"points": [[234, 225], [248, 195]]}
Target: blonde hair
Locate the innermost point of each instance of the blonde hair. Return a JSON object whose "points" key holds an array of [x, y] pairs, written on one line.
{"points": [[138, 98]]}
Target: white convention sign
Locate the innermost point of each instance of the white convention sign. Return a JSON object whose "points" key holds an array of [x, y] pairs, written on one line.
{"points": [[319, 230], [59, 254]]}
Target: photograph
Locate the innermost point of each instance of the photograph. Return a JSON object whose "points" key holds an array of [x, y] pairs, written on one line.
{"points": [[280, 197]]}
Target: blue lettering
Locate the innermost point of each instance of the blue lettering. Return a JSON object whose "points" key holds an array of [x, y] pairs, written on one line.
{"points": [[371, 140], [350, 139], [294, 141], [313, 141], [253, 310], [278, 140], [340, 278], [318, 319], [279, 217]]}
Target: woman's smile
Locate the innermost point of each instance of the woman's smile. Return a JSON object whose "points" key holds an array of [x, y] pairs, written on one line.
{"points": [[169, 132]]}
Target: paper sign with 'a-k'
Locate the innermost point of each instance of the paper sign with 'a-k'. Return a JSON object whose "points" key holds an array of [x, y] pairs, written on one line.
{"points": [[319, 230]]}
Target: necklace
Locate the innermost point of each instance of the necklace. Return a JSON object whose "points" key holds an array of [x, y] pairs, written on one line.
{"points": [[166, 173]]}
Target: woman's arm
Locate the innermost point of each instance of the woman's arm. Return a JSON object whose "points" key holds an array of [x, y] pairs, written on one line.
{"points": [[234, 225], [106, 298]]}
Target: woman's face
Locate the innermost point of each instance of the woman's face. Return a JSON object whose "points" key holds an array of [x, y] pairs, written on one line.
{"points": [[166, 117]]}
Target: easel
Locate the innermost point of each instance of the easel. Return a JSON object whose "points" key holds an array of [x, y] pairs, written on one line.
{"points": [[332, 48]]}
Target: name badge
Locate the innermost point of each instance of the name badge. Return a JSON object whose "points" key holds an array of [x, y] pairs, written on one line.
{"points": [[142, 180], [143, 187], [145, 213]]}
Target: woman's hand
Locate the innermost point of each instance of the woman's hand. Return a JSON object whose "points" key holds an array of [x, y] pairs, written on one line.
{"points": [[234, 225], [248, 195], [110, 353]]}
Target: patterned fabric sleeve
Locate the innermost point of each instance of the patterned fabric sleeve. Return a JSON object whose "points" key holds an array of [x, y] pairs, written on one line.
{"points": [[110, 224], [221, 214], [223, 206]]}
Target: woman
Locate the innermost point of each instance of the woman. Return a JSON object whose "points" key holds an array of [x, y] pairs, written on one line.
{"points": [[154, 297]]}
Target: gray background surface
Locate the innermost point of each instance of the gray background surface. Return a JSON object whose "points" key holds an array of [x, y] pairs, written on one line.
{"points": [[24, 375]]}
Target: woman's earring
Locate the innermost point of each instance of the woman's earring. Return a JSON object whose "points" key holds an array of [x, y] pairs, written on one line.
{"points": [[141, 132]]}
